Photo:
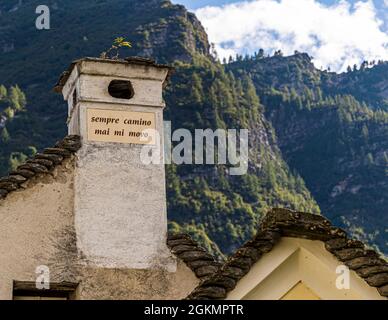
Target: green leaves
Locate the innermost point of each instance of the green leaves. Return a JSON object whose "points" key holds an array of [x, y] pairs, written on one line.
{"points": [[118, 43]]}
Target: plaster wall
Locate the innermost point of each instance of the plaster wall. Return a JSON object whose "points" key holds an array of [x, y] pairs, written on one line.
{"points": [[37, 227]]}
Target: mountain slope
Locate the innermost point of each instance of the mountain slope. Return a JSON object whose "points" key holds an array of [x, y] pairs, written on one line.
{"points": [[287, 104], [338, 144], [220, 210], [227, 207]]}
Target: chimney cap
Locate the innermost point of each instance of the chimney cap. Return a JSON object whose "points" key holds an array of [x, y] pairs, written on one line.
{"points": [[142, 61]]}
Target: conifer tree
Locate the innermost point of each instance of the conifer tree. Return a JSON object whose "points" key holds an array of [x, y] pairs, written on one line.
{"points": [[4, 135]]}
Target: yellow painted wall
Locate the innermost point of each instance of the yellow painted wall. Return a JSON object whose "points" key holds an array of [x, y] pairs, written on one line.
{"points": [[300, 292]]}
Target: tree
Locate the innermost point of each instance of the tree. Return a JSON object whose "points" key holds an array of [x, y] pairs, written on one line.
{"points": [[365, 132], [278, 53], [3, 92], [319, 95], [197, 89], [16, 159], [4, 136], [364, 65], [9, 113], [369, 159], [271, 175], [250, 93], [17, 98]]}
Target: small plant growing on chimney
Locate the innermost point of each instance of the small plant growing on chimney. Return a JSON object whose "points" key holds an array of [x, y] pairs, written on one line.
{"points": [[118, 43]]}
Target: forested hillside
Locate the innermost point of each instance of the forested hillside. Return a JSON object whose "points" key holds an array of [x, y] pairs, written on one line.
{"points": [[336, 141], [12, 107], [310, 130], [227, 208]]}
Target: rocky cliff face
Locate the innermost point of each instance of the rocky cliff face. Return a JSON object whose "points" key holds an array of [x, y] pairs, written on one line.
{"points": [[178, 36]]}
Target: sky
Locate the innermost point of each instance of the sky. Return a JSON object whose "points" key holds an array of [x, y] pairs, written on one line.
{"points": [[336, 33]]}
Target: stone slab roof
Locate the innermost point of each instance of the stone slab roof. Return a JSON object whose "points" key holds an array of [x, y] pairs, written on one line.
{"points": [[367, 263], [41, 164], [196, 258]]}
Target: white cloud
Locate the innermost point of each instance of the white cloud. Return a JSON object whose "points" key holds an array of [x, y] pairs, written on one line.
{"points": [[336, 36], [386, 3]]}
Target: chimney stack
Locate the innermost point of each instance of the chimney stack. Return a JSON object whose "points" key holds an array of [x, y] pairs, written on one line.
{"points": [[119, 202]]}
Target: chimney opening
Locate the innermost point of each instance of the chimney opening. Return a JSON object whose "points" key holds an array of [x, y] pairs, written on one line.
{"points": [[121, 89]]}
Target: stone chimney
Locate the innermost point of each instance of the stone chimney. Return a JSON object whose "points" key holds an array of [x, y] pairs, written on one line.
{"points": [[119, 201]]}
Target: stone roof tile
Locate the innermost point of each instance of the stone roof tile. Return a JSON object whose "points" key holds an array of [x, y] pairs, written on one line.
{"points": [[196, 258], [40, 164], [285, 223]]}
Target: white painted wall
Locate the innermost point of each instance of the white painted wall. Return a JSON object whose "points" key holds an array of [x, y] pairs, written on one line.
{"points": [[120, 203]]}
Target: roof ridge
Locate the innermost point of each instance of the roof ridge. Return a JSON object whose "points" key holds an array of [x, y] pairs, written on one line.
{"points": [[367, 263], [41, 164], [197, 258]]}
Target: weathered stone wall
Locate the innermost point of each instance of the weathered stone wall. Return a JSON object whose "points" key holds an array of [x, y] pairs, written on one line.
{"points": [[37, 228]]}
